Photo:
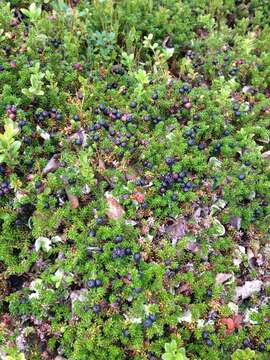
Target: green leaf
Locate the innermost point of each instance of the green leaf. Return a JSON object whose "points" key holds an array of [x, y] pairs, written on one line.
{"points": [[2, 158], [11, 130], [25, 12], [26, 92], [219, 228], [16, 146], [172, 346]]}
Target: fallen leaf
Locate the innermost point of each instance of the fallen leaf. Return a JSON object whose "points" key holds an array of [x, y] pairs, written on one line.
{"points": [[250, 254], [248, 316], [177, 230], [79, 135], [222, 277], [131, 222], [248, 289], [73, 200], [219, 228], [187, 317], [115, 211], [217, 206], [235, 322], [197, 214], [214, 162], [228, 322], [184, 288], [52, 165], [138, 197], [77, 295], [235, 222], [45, 135], [193, 247], [238, 320], [266, 155], [246, 89], [101, 165], [43, 243]]}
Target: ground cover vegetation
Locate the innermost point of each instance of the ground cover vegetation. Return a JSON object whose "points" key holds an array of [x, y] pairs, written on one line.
{"points": [[134, 179]]}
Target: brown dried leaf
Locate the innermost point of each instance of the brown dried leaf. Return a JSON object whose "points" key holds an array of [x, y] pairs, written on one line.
{"points": [[184, 288], [177, 230], [236, 222], [222, 277], [193, 247], [52, 165], [248, 289], [115, 211], [266, 155], [73, 200], [101, 165]]}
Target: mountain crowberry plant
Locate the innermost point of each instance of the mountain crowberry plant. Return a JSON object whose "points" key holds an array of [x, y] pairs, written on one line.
{"points": [[134, 180]]}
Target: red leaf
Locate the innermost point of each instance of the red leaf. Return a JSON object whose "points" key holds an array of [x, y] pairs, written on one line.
{"points": [[229, 323], [138, 197], [232, 323]]}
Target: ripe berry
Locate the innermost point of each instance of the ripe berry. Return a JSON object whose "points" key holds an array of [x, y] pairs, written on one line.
{"points": [[100, 220], [76, 117], [153, 317], [91, 233], [205, 335], [246, 343], [201, 146], [22, 123], [98, 282], [137, 257], [155, 96], [125, 333], [118, 239], [38, 184], [133, 104], [147, 323], [91, 283], [96, 308], [128, 251], [209, 342], [261, 347], [78, 142], [144, 205], [241, 176], [169, 160], [147, 118], [18, 222], [46, 205]]}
